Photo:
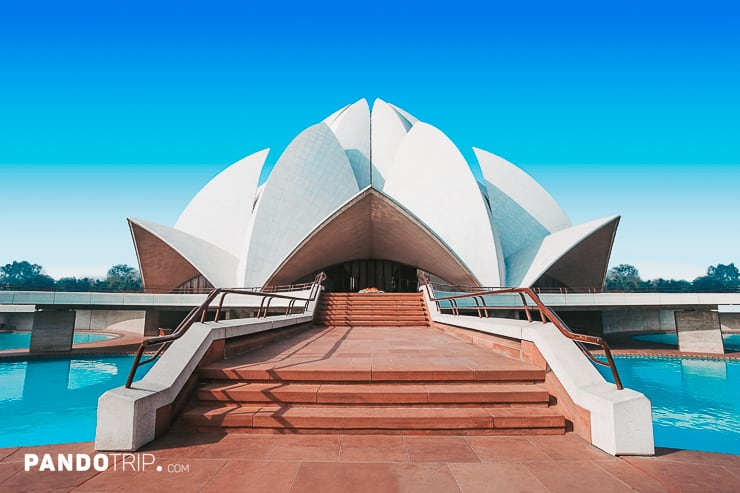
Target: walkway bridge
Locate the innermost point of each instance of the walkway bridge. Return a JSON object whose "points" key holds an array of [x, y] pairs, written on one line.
{"points": [[602, 314]]}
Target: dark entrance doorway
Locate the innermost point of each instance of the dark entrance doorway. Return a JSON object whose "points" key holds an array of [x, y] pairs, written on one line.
{"points": [[350, 277]]}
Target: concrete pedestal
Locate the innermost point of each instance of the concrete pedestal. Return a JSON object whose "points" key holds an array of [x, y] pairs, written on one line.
{"points": [[151, 323], [699, 332], [52, 331]]}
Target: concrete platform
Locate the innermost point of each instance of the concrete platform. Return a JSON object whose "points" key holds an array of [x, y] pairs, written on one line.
{"points": [[216, 462]]}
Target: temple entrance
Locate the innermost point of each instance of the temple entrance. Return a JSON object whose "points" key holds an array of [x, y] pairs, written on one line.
{"points": [[353, 276]]}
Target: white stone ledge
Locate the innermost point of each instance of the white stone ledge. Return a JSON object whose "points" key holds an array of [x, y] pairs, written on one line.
{"points": [[17, 308], [127, 417], [621, 420], [8, 298]]}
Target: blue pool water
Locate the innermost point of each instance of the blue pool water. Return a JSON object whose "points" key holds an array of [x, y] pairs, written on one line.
{"points": [[22, 340], [731, 341], [55, 400], [696, 402]]}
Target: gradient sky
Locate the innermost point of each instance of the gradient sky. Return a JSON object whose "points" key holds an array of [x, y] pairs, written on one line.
{"points": [[127, 108]]}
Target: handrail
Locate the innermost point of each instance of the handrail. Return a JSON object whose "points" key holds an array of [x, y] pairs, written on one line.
{"points": [[199, 313], [546, 315]]}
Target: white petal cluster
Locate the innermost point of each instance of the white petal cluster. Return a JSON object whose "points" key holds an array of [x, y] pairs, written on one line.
{"points": [[378, 184]]}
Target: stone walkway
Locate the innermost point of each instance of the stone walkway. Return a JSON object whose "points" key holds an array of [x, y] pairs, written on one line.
{"points": [[214, 462]]}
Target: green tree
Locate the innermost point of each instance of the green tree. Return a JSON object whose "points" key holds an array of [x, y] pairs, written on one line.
{"points": [[668, 285], [24, 276], [623, 277], [122, 277], [719, 278], [74, 284]]}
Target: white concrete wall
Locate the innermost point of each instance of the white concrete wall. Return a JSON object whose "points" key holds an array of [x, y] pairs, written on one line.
{"points": [[637, 320], [730, 321], [20, 321], [123, 320]]}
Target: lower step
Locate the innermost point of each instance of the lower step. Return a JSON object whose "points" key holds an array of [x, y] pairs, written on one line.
{"points": [[370, 323], [375, 418], [328, 374], [482, 394]]}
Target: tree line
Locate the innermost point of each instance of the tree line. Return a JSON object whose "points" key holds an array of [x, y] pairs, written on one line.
{"points": [[25, 276], [719, 278]]}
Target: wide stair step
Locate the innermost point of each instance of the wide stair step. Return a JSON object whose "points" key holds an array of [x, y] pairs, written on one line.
{"points": [[454, 394], [318, 373], [375, 419]]}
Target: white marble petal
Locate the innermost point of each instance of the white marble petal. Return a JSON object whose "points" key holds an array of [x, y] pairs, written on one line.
{"points": [[432, 180], [389, 129], [523, 190], [351, 125], [221, 211], [557, 245], [214, 263], [312, 178]]}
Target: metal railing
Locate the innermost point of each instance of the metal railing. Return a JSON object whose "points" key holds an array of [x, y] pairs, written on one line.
{"points": [[199, 313], [546, 316]]}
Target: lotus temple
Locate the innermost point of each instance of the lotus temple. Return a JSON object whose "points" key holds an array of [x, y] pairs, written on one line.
{"points": [[370, 197]]}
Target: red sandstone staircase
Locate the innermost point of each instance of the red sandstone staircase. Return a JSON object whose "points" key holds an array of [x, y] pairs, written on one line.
{"points": [[373, 365], [372, 310]]}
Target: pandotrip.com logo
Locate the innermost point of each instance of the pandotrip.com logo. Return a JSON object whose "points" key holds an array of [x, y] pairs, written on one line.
{"points": [[125, 462]]}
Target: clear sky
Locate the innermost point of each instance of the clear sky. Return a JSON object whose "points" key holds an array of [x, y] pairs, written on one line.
{"points": [[127, 108]]}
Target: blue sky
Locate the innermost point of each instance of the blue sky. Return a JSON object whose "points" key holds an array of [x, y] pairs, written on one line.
{"points": [[126, 108]]}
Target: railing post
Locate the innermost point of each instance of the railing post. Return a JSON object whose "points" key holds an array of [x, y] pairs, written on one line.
{"points": [[220, 305], [135, 365]]}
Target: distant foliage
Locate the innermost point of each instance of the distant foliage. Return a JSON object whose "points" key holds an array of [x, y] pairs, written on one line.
{"points": [[623, 277], [25, 276], [719, 278], [123, 277]]}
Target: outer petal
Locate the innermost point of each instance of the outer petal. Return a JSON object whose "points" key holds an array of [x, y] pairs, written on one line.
{"points": [[312, 178], [169, 257], [576, 257], [351, 125], [517, 186], [221, 211], [389, 129], [411, 119], [432, 180]]}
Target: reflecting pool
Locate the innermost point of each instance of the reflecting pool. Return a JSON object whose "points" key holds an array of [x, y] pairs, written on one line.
{"points": [[696, 402], [55, 400]]}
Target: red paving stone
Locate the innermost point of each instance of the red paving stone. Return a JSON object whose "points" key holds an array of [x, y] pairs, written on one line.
{"points": [[495, 478], [217, 462], [506, 449], [373, 448], [439, 449]]}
